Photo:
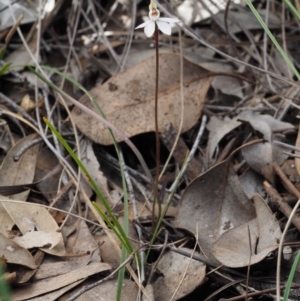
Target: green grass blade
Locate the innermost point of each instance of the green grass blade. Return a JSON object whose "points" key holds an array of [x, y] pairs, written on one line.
{"points": [[114, 224], [4, 68], [292, 8], [2, 52], [291, 277], [54, 87], [4, 288], [273, 39], [121, 274]]}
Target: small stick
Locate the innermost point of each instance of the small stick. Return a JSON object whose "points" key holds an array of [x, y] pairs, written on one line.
{"points": [[258, 293], [289, 185], [282, 206]]}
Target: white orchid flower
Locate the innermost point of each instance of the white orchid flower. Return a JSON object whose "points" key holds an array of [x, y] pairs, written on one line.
{"points": [[162, 23]]}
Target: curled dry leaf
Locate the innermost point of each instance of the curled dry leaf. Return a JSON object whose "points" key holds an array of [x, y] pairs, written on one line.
{"points": [[38, 239], [218, 128], [22, 171], [54, 283], [15, 254], [216, 203], [106, 291], [29, 217], [234, 249], [252, 183], [127, 99], [261, 156], [174, 266]]}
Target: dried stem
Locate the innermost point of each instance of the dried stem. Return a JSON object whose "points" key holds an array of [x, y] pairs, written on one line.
{"points": [[156, 130]]}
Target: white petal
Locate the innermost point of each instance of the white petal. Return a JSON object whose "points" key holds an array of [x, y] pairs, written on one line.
{"points": [[149, 29], [169, 20], [164, 27], [143, 24]]}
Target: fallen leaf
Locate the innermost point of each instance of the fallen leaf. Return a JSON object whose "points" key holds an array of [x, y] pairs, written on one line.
{"points": [[234, 249], [106, 291], [259, 121], [15, 254], [251, 183], [52, 284], [92, 165], [216, 203], [50, 268], [228, 85], [29, 217], [260, 156], [218, 128], [38, 239], [174, 266], [56, 294], [127, 99], [22, 171]]}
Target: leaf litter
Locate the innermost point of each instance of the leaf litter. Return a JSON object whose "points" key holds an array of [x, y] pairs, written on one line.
{"points": [[233, 201]]}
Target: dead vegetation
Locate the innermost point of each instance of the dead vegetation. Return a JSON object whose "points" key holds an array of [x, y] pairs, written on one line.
{"points": [[228, 113]]}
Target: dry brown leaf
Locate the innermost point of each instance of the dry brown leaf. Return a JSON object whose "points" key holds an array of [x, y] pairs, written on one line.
{"points": [[218, 128], [82, 241], [25, 274], [46, 162], [17, 172], [260, 156], [52, 284], [127, 99], [56, 294], [216, 203], [92, 165], [228, 85], [251, 182], [233, 249], [50, 268], [38, 239], [106, 291], [22, 171], [29, 217], [174, 266], [15, 254], [264, 123]]}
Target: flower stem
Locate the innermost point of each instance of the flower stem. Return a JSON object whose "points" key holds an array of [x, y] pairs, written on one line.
{"points": [[156, 131]]}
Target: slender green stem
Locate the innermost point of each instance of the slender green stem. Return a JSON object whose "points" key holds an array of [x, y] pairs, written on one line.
{"points": [[4, 288], [291, 277], [292, 8], [156, 128], [273, 39]]}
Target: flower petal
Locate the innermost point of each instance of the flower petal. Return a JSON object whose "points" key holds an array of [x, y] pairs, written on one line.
{"points": [[143, 24], [164, 27], [169, 20], [149, 29]]}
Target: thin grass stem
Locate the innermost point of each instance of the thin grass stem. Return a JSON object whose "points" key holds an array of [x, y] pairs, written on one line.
{"points": [[155, 200]]}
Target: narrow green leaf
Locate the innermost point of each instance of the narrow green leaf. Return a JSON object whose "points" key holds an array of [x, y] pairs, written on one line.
{"points": [[4, 68], [291, 277], [273, 39], [4, 288]]}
